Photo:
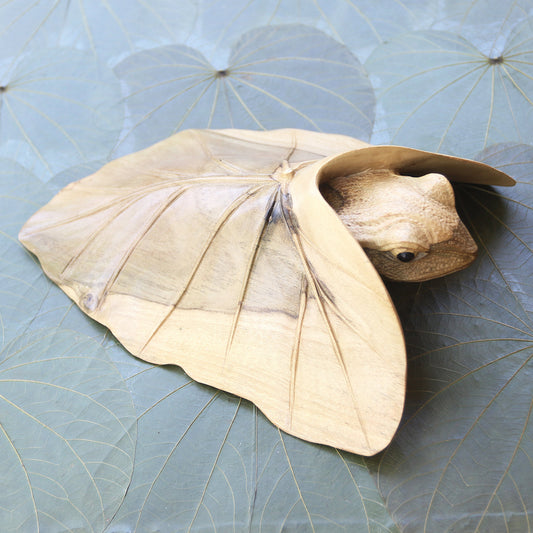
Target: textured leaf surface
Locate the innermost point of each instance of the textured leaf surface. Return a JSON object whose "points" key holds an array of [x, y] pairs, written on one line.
{"points": [[221, 464], [58, 107], [486, 25], [441, 86], [67, 436], [469, 468], [360, 25], [281, 76], [22, 285], [510, 214], [461, 462], [67, 424], [206, 244], [108, 28]]}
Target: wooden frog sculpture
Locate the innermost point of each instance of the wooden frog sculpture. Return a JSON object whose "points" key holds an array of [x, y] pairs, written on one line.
{"points": [[251, 260]]}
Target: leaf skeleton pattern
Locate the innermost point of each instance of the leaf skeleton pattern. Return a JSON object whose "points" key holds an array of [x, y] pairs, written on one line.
{"points": [[277, 210], [274, 197], [215, 251], [129, 201], [319, 299], [220, 223], [304, 297]]}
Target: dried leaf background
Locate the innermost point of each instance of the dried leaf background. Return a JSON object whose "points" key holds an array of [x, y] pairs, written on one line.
{"points": [[95, 440]]}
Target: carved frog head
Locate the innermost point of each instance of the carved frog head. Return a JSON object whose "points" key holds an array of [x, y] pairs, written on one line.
{"points": [[408, 226]]}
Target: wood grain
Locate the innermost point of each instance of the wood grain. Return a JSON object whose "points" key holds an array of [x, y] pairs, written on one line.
{"points": [[217, 252]]}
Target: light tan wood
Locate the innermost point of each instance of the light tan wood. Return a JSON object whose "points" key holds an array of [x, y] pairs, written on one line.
{"points": [[216, 251], [408, 226]]}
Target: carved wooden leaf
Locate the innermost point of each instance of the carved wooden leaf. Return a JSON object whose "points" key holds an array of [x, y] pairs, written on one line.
{"points": [[215, 251]]}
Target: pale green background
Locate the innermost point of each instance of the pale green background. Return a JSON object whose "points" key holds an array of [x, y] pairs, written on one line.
{"points": [[92, 439]]}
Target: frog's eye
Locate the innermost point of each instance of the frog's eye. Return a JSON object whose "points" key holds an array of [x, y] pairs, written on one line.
{"points": [[405, 257]]}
